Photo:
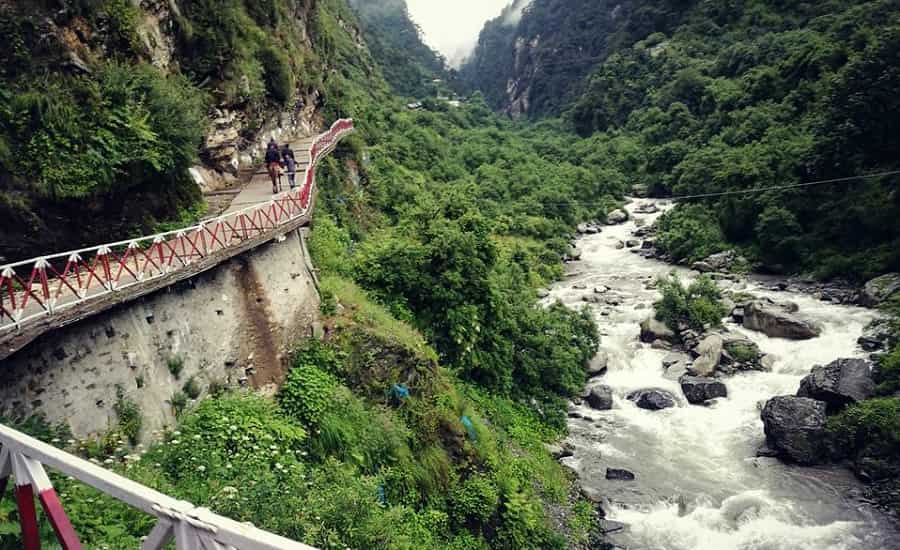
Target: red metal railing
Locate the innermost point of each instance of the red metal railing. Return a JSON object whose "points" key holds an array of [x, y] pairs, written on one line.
{"points": [[33, 289]]}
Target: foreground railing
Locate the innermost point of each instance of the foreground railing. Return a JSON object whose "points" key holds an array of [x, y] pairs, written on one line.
{"points": [[35, 289], [23, 458]]}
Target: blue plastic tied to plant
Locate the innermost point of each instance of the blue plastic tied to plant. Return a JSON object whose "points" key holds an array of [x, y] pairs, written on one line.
{"points": [[400, 391], [470, 428], [379, 494]]}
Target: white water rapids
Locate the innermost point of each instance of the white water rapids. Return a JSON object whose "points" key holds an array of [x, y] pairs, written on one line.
{"points": [[699, 484]]}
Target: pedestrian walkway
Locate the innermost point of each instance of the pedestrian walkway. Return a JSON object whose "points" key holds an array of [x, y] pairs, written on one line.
{"points": [[259, 189]]}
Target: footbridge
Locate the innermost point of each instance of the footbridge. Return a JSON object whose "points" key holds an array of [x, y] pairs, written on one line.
{"points": [[44, 294]]}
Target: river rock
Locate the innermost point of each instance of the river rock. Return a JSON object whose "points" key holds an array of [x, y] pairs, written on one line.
{"points": [[639, 190], [709, 353], [652, 400], [600, 398], [619, 474], [574, 254], [839, 383], [702, 267], [616, 217], [741, 353], [653, 330], [646, 208], [598, 365], [795, 427], [875, 336], [699, 390], [632, 243], [880, 289], [776, 322]]}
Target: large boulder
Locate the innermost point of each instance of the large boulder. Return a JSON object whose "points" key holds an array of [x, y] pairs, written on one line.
{"points": [[652, 400], [600, 398], [653, 330], [740, 354], [795, 428], [839, 383], [598, 365], [880, 289], [709, 353], [616, 217], [698, 389], [776, 322]]}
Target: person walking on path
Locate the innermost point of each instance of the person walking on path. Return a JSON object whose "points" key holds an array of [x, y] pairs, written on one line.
{"points": [[290, 164], [273, 165]]}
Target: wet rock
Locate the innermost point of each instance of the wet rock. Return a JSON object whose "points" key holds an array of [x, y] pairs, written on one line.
{"points": [[880, 289], [632, 243], [673, 359], [620, 245], [641, 232], [616, 217], [839, 383], [580, 286], [795, 428], [598, 365], [875, 336], [648, 244], [766, 451], [652, 400], [560, 451], [608, 526], [709, 353], [543, 293], [652, 330], [738, 315], [574, 254], [776, 322], [592, 299], [767, 361], [741, 353], [699, 390], [601, 289], [619, 474], [702, 267], [646, 208], [600, 398]]}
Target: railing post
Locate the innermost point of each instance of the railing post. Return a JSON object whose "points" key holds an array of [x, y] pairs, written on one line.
{"points": [[31, 538]]}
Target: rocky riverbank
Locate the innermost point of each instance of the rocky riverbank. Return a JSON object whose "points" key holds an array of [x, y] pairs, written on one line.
{"points": [[668, 434]]}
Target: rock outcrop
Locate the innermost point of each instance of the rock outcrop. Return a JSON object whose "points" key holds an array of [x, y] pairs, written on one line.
{"points": [[698, 390], [880, 289], [598, 365], [709, 353], [616, 217], [653, 330], [795, 428], [839, 383], [600, 398], [652, 399], [776, 321]]}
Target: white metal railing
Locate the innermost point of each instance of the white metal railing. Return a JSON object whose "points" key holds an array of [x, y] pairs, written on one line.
{"points": [[34, 289], [23, 458]]}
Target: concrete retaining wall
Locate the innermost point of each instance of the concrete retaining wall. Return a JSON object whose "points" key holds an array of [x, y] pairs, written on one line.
{"points": [[232, 325]]}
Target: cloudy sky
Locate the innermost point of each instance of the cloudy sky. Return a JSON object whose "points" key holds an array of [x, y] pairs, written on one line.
{"points": [[452, 26]]}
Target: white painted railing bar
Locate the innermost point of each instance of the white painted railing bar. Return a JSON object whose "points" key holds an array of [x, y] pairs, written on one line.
{"points": [[192, 527]]}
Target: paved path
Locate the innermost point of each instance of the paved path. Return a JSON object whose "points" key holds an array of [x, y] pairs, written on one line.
{"points": [[260, 187]]}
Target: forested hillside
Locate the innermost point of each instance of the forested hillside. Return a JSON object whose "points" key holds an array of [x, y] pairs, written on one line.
{"points": [[712, 97], [408, 64]]}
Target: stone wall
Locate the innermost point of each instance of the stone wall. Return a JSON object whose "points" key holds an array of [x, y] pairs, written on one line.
{"points": [[232, 325]]}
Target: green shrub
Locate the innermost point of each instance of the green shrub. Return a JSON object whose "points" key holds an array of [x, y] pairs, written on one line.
{"points": [[698, 306], [192, 388], [475, 501], [888, 373], [179, 402], [129, 415], [871, 422], [175, 364], [307, 393], [689, 233], [277, 73]]}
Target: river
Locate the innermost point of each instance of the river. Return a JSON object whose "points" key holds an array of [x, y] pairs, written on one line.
{"points": [[699, 484]]}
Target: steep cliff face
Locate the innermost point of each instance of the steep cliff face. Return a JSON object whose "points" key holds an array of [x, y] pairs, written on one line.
{"points": [[113, 111], [533, 58]]}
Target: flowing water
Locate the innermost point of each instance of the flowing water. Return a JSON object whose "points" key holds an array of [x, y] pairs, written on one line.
{"points": [[699, 484]]}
